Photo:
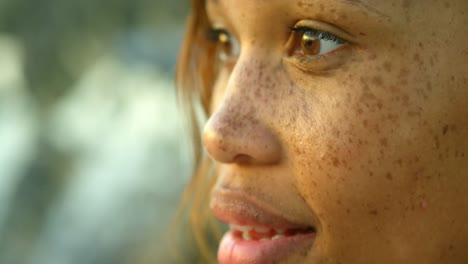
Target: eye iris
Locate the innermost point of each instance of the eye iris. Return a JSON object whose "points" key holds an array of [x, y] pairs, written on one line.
{"points": [[226, 47], [310, 44]]}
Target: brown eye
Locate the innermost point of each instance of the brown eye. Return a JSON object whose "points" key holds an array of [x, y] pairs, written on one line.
{"points": [[227, 46], [310, 44]]}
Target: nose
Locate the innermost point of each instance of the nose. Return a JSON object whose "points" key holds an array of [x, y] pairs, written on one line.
{"points": [[233, 135]]}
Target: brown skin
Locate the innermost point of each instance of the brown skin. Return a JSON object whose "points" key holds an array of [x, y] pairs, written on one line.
{"points": [[369, 144]]}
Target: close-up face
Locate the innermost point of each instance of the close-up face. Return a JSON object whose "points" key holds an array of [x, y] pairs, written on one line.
{"points": [[339, 130]]}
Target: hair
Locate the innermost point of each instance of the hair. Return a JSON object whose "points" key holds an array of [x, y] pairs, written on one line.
{"points": [[195, 77]]}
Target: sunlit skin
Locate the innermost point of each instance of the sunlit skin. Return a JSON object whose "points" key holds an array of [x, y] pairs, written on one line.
{"points": [[367, 143]]}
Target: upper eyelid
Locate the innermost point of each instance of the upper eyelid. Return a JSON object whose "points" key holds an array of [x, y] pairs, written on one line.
{"points": [[327, 27], [213, 33], [216, 18]]}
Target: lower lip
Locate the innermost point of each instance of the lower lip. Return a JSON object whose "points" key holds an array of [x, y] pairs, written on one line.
{"points": [[233, 250]]}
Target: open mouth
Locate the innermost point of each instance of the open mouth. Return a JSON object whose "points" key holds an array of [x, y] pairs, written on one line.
{"points": [[261, 245], [248, 233], [259, 232]]}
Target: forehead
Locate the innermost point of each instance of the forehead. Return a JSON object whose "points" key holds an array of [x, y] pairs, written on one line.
{"points": [[375, 8]]}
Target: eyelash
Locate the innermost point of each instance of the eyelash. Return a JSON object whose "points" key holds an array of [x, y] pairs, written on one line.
{"points": [[308, 58], [319, 34], [214, 33]]}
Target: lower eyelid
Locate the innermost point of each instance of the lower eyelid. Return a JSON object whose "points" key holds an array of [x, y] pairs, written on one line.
{"points": [[320, 63]]}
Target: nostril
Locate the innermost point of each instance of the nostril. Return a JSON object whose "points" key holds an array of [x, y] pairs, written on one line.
{"points": [[242, 159]]}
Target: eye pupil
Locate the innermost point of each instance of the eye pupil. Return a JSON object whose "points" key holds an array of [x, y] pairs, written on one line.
{"points": [[310, 44]]}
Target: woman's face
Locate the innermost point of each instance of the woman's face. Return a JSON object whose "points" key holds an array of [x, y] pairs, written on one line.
{"points": [[340, 130]]}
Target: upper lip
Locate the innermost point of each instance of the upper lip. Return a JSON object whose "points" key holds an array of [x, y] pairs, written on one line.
{"points": [[240, 208]]}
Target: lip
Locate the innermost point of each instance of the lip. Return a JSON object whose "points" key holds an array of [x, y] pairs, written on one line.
{"points": [[239, 208]]}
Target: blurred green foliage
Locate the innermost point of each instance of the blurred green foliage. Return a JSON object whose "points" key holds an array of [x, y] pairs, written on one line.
{"points": [[60, 41], [61, 38]]}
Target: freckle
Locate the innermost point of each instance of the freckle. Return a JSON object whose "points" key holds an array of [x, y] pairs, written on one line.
{"points": [[447, 4], [412, 113], [445, 129], [421, 45], [372, 56], [362, 33], [406, 3], [333, 10], [384, 142], [423, 204], [260, 73], [371, 173], [389, 176], [377, 80], [373, 212], [336, 162], [322, 7], [319, 166], [379, 105], [429, 86], [365, 123], [400, 162]]}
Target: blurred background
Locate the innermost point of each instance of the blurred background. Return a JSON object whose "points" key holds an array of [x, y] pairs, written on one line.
{"points": [[93, 154]]}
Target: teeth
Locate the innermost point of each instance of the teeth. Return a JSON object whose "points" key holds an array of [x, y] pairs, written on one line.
{"points": [[277, 237], [245, 231], [261, 230], [242, 228], [246, 236], [280, 231]]}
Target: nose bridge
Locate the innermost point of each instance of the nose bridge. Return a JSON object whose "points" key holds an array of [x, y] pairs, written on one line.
{"points": [[251, 81], [239, 131]]}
